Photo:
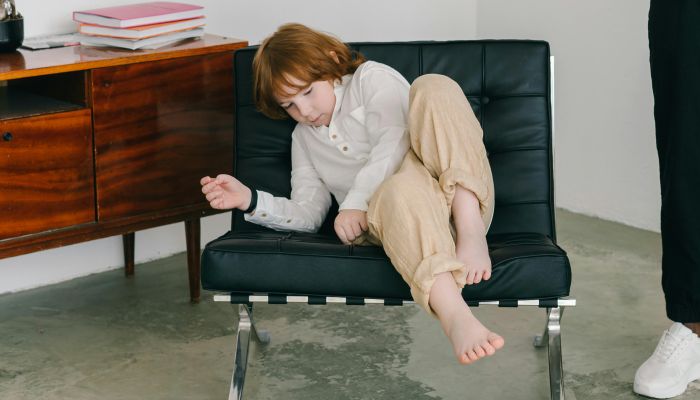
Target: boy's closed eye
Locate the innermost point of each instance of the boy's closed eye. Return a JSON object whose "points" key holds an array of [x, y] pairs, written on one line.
{"points": [[304, 92]]}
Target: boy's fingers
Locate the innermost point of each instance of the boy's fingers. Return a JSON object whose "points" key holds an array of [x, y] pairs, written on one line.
{"points": [[341, 234], [209, 187], [350, 232], [223, 179], [211, 196], [204, 180], [357, 229], [347, 232]]}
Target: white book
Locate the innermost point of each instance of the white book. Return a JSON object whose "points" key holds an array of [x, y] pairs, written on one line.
{"points": [[141, 32], [151, 43]]}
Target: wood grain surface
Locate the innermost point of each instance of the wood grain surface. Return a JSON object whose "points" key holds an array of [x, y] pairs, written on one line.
{"points": [[46, 174], [159, 127], [27, 63]]}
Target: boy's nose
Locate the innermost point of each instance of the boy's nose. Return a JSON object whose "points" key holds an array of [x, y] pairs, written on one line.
{"points": [[304, 109]]}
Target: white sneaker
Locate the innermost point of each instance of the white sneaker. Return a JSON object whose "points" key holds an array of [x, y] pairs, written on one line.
{"points": [[674, 364]]}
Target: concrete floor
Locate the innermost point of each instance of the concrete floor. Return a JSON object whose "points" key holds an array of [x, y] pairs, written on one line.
{"points": [[108, 337]]}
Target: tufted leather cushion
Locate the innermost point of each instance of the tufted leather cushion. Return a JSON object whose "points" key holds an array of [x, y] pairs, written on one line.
{"points": [[525, 266], [507, 84]]}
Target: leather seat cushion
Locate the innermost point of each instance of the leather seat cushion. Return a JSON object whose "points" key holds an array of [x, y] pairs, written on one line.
{"points": [[525, 266]]}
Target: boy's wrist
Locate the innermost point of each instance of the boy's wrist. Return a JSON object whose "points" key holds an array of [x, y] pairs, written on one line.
{"points": [[253, 201]]}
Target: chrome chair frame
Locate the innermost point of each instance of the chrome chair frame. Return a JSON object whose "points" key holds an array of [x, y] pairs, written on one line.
{"points": [[551, 337], [240, 362]]}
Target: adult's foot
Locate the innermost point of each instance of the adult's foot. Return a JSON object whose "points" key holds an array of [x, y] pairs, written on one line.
{"points": [[673, 365]]}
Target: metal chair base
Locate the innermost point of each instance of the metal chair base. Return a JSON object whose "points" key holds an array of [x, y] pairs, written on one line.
{"points": [[240, 363], [551, 337]]}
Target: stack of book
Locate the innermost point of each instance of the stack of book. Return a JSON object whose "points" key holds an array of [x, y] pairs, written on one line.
{"points": [[140, 26]]}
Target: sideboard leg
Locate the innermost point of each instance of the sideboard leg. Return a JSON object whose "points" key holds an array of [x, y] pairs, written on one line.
{"points": [[192, 232], [128, 239]]}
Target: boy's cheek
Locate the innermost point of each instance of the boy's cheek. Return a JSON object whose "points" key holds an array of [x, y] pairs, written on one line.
{"points": [[296, 117]]}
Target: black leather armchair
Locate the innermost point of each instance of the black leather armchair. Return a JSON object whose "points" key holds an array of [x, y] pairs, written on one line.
{"points": [[509, 87]]}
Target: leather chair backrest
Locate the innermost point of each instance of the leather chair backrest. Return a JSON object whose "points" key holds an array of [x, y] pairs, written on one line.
{"points": [[507, 83]]}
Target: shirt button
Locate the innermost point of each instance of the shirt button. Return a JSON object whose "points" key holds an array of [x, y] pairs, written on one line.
{"points": [[264, 215], [345, 148], [334, 136], [289, 221]]}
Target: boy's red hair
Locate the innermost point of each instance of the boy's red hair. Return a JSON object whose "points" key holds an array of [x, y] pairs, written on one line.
{"points": [[297, 51]]}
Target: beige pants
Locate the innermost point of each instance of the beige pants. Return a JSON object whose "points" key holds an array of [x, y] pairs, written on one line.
{"points": [[410, 213]]}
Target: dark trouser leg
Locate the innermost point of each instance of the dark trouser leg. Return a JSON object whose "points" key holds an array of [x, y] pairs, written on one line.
{"points": [[674, 44]]}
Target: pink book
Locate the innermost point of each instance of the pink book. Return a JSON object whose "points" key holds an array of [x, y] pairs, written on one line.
{"points": [[139, 14]]}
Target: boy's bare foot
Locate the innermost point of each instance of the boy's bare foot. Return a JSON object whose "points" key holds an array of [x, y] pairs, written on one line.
{"points": [[470, 339], [473, 251]]}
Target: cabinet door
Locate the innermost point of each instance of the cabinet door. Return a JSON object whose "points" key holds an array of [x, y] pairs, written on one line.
{"points": [[46, 173], [159, 127]]}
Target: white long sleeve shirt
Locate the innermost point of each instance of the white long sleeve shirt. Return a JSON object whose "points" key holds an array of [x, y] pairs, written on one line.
{"points": [[364, 144]]}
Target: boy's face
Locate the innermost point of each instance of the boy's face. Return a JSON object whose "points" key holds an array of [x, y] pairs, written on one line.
{"points": [[313, 105]]}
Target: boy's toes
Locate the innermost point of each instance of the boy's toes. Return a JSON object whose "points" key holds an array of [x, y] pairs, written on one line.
{"points": [[470, 277], [487, 274], [488, 349], [480, 352], [495, 340], [477, 276]]}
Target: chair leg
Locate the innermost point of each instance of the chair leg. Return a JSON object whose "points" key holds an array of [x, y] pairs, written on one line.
{"points": [[262, 335], [240, 363], [543, 339], [552, 337]]}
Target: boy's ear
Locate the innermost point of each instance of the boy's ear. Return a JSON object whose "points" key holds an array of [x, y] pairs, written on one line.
{"points": [[334, 56]]}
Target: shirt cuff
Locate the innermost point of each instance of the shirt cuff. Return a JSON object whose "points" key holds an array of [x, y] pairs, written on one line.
{"points": [[263, 209], [355, 201]]}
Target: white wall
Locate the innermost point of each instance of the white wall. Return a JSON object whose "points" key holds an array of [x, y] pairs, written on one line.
{"points": [[250, 20], [606, 163], [253, 20]]}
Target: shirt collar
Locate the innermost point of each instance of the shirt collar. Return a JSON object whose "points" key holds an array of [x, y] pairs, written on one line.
{"points": [[339, 86]]}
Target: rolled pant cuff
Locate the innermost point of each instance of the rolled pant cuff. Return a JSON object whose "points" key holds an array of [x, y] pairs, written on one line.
{"points": [[427, 271], [453, 176]]}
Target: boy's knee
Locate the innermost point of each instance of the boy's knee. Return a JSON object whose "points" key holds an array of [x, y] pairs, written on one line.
{"points": [[432, 84]]}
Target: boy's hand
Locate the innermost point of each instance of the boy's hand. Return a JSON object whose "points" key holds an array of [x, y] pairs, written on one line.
{"points": [[226, 192], [349, 225]]}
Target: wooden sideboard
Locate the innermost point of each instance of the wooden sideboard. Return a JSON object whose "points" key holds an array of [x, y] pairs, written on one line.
{"points": [[96, 142]]}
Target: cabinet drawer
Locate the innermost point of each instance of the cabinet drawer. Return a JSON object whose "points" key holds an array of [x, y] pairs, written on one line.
{"points": [[46, 173]]}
